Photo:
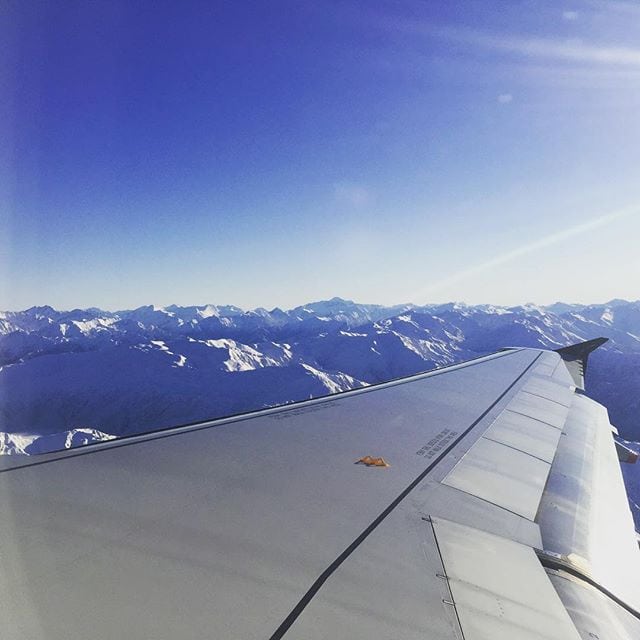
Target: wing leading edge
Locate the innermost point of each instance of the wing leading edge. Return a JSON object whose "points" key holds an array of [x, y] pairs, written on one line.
{"points": [[264, 526]]}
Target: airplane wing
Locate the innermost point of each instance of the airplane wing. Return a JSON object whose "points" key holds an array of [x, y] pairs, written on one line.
{"points": [[478, 501]]}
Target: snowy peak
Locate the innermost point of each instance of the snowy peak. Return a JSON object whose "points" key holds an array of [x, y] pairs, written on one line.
{"points": [[30, 444], [153, 367]]}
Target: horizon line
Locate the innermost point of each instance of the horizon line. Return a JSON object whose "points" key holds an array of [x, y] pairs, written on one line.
{"points": [[409, 305]]}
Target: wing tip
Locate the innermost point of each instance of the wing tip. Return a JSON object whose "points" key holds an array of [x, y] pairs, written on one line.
{"points": [[577, 355], [581, 350]]}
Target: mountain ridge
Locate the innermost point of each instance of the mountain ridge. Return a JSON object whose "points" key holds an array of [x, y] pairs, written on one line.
{"points": [[195, 348]]}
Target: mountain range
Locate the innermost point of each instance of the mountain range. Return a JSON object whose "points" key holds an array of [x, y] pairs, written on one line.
{"points": [[86, 374]]}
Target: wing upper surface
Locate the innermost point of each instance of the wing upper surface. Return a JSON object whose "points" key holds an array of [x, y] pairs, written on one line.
{"points": [[264, 526]]}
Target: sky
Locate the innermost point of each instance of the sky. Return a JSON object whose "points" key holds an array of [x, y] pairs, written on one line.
{"points": [[273, 153]]}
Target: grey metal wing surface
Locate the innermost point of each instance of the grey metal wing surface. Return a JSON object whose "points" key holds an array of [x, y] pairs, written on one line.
{"points": [[479, 501]]}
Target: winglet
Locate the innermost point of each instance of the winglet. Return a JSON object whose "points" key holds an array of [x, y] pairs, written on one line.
{"points": [[576, 357], [625, 454]]}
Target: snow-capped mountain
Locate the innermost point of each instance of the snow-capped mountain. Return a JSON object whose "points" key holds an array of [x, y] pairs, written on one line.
{"points": [[152, 367], [30, 444]]}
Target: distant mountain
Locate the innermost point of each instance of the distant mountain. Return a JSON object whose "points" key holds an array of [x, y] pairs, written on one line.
{"points": [[134, 370], [30, 444]]}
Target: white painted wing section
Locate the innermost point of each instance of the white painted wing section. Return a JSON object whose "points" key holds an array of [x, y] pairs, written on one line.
{"points": [[584, 515], [499, 588], [525, 434], [540, 408], [547, 387], [594, 614], [501, 475], [509, 465]]}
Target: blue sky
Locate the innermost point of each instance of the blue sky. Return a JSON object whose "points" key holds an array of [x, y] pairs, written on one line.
{"points": [[266, 154]]}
